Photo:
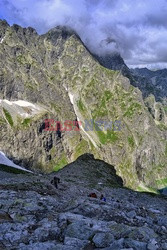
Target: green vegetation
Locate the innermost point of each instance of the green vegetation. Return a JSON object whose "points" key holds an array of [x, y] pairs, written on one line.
{"points": [[109, 137], [76, 78], [92, 83], [156, 170], [126, 169], [25, 59], [147, 189], [123, 106], [101, 110], [140, 138], [159, 168], [85, 70], [134, 107], [131, 141], [130, 99], [52, 78], [102, 137], [30, 85], [2, 120], [61, 163], [81, 148], [91, 89], [81, 106], [162, 126], [20, 59], [165, 108], [56, 107], [94, 151], [107, 95], [109, 72], [162, 182], [166, 150], [8, 117], [26, 122]]}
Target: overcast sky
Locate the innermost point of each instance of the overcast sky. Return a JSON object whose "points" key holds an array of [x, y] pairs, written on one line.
{"points": [[135, 28]]}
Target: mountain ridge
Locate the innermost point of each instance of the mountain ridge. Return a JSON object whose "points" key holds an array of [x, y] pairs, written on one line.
{"points": [[58, 72]]}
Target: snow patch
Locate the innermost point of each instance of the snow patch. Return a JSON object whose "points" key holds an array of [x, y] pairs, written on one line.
{"points": [[5, 161], [71, 96], [24, 103], [2, 40], [6, 101], [93, 142], [65, 88], [20, 105]]}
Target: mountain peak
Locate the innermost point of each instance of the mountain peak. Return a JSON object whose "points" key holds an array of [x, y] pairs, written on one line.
{"points": [[64, 31], [3, 26], [3, 23], [112, 61]]}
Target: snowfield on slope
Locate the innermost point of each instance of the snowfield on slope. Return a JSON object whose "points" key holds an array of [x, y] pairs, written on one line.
{"points": [[5, 161], [23, 108], [71, 96]]}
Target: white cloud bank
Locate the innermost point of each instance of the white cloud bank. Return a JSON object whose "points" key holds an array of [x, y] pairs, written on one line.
{"points": [[135, 28]]}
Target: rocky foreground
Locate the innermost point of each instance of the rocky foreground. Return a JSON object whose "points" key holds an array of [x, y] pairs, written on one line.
{"points": [[36, 215]]}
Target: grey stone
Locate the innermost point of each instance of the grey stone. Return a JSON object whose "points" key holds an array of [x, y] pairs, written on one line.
{"points": [[156, 211], [13, 236], [136, 245], [117, 244], [126, 249], [152, 245], [142, 233], [103, 239], [65, 247], [162, 221], [120, 230], [41, 234], [75, 242], [38, 246], [79, 230], [131, 214], [164, 246]]}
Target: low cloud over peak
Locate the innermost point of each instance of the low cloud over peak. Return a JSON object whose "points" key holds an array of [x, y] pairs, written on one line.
{"points": [[135, 28]]}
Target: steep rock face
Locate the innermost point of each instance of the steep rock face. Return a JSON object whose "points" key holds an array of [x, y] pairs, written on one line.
{"points": [[57, 72], [151, 83], [115, 62], [156, 83], [106, 95], [29, 72]]}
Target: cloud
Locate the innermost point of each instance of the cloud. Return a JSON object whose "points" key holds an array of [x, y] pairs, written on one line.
{"points": [[135, 28]]}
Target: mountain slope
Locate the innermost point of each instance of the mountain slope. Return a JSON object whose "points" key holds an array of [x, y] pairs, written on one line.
{"points": [[157, 82], [56, 72], [36, 215]]}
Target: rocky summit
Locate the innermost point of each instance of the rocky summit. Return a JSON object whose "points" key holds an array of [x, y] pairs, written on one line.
{"points": [[36, 215], [54, 76]]}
